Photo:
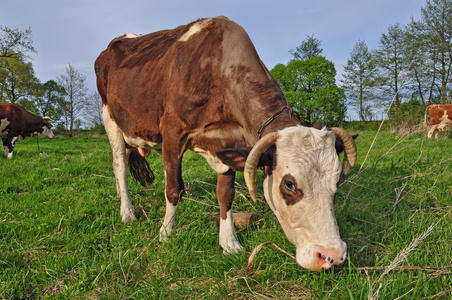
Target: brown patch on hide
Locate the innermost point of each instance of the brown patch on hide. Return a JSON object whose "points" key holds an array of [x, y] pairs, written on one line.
{"points": [[289, 191]]}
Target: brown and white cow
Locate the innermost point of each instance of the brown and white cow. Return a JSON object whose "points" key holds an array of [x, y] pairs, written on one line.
{"points": [[440, 116], [203, 87], [16, 123]]}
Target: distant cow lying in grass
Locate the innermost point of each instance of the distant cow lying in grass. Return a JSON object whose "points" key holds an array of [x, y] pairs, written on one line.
{"points": [[16, 123]]}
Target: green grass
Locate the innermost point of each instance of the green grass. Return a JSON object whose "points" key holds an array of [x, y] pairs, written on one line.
{"points": [[61, 235]]}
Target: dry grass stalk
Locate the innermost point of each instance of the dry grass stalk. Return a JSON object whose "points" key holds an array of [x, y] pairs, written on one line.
{"points": [[200, 202], [399, 258], [144, 212], [258, 248], [418, 185], [446, 292], [102, 176], [127, 276], [389, 107]]}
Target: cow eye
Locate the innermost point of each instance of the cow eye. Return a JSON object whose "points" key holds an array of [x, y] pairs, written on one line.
{"points": [[290, 186]]}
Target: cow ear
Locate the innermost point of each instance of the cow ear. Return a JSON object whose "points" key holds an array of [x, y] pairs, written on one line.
{"points": [[236, 158]]}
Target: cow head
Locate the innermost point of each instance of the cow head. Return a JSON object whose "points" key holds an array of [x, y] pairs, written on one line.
{"points": [[46, 128], [303, 172]]}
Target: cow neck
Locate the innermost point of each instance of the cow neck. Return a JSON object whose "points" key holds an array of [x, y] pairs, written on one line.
{"points": [[279, 120]]}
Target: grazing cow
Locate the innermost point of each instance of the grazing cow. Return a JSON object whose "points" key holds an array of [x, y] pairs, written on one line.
{"points": [[440, 117], [203, 87], [16, 123]]}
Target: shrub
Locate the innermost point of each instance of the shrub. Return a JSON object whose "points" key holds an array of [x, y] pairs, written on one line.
{"points": [[408, 113]]}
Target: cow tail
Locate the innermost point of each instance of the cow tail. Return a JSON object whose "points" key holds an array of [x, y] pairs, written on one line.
{"points": [[140, 169]]}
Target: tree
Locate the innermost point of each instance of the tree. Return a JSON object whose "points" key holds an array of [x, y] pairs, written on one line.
{"points": [[310, 88], [49, 95], [392, 61], [17, 80], [15, 43], [422, 79], [72, 104], [359, 78], [433, 34], [307, 49], [93, 110]]}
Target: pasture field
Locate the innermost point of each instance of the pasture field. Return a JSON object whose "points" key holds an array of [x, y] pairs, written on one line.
{"points": [[61, 235]]}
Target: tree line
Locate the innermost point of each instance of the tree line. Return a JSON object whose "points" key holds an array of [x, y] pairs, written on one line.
{"points": [[66, 99], [417, 55]]}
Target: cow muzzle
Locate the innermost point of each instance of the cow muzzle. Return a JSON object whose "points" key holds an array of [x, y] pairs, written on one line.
{"points": [[46, 133], [317, 257]]}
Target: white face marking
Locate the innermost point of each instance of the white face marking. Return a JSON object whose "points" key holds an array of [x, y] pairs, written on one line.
{"points": [[309, 156], [46, 132], [195, 28]]}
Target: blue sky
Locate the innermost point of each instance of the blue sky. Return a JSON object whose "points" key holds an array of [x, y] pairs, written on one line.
{"points": [[76, 31]]}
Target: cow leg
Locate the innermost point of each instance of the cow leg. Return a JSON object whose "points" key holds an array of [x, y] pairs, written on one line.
{"points": [[6, 151], [8, 145], [174, 188], [5, 147], [119, 156], [432, 130], [226, 194]]}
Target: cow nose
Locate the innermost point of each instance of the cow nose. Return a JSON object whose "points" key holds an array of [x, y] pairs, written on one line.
{"points": [[326, 258], [318, 257]]}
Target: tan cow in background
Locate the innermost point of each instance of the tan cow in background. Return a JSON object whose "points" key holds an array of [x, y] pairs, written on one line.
{"points": [[440, 116]]}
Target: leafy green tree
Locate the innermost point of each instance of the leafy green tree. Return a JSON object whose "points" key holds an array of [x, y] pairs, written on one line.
{"points": [[18, 81], [409, 112], [308, 48], [15, 43], [49, 95], [359, 79], [310, 88]]}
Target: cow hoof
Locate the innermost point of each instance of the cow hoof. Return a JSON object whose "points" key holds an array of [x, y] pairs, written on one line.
{"points": [[164, 234], [127, 218], [234, 248], [163, 238]]}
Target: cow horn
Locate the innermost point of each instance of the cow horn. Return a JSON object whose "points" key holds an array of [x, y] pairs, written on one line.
{"points": [[350, 152], [48, 119], [252, 161]]}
